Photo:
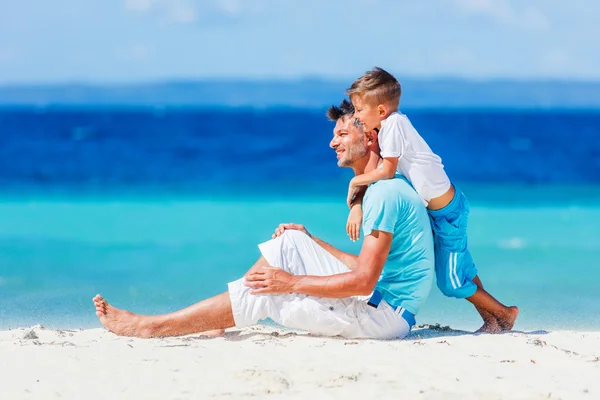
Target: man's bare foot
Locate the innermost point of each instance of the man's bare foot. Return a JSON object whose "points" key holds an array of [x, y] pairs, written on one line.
{"points": [[215, 333], [120, 322], [507, 321]]}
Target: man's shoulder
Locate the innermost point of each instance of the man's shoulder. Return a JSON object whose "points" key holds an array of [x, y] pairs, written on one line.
{"points": [[395, 189], [390, 202]]}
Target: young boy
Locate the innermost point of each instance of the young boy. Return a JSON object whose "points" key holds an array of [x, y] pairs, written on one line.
{"points": [[376, 98]]}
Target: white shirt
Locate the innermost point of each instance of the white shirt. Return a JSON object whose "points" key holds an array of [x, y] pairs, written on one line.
{"points": [[421, 166]]}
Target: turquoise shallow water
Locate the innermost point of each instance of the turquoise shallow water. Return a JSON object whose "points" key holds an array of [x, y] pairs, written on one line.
{"points": [[159, 253]]}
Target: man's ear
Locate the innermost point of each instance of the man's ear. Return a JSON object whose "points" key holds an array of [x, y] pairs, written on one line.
{"points": [[371, 136]]}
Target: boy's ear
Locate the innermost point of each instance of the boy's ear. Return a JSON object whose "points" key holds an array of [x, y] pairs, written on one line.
{"points": [[382, 110]]}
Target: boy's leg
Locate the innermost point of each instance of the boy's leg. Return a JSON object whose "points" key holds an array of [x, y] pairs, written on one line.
{"points": [[487, 306], [457, 277], [490, 323], [455, 270]]}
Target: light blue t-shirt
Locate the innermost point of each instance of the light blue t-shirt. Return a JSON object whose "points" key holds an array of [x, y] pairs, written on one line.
{"points": [[392, 205]]}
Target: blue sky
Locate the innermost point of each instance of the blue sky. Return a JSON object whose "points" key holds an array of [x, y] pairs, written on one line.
{"points": [[141, 40]]}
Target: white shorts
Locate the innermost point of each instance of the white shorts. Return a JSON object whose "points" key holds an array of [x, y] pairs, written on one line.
{"points": [[351, 317]]}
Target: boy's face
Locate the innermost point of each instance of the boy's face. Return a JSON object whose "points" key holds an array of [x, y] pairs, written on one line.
{"points": [[367, 113]]}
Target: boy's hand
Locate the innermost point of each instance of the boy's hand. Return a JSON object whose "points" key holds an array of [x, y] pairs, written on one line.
{"points": [[354, 222], [352, 191]]}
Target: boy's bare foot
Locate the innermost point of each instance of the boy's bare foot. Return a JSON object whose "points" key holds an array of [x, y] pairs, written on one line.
{"points": [[507, 321], [120, 322], [490, 326]]}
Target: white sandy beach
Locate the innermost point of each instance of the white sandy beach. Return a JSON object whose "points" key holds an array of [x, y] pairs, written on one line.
{"points": [[267, 362]]}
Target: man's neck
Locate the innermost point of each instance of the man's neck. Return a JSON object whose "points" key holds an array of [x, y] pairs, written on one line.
{"points": [[374, 161], [367, 164]]}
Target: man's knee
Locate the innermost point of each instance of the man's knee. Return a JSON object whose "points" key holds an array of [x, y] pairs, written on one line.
{"points": [[295, 239], [295, 235], [285, 250]]}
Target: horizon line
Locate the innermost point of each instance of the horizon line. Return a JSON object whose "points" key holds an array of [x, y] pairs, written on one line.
{"points": [[298, 79]]}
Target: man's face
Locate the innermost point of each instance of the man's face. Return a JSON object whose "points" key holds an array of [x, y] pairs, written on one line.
{"points": [[367, 114], [349, 142]]}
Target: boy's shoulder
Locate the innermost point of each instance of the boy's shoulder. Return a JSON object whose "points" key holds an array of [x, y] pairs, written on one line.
{"points": [[395, 118]]}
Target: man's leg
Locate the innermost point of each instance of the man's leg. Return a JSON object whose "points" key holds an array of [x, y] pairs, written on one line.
{"points": [[210, 317]]}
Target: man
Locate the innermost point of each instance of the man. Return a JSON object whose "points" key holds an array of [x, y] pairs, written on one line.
{"points": [[304, 283]]}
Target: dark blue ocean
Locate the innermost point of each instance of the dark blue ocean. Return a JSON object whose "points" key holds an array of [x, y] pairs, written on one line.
{"points": [[158, 208], [194, 149]]}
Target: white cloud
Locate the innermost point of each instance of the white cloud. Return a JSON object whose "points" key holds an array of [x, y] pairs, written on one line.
{"points": [[535, 19], [519, 14], [139, 5], [498, 9], [231, 7], [184, 12], [189, 11]]}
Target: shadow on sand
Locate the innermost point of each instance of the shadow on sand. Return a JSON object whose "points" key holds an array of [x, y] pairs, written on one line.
{"points": [[420, 332]]}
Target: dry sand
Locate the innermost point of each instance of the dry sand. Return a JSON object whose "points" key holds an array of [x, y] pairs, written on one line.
{"points": [[267, 362]]}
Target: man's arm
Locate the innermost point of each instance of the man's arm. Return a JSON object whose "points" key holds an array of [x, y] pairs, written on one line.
{"points": [[349, 260], [360, 281]]}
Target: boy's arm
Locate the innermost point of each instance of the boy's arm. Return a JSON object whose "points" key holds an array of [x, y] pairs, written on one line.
{"points": [[392, 146], [360, 195], [355, 218], [387, 171]]}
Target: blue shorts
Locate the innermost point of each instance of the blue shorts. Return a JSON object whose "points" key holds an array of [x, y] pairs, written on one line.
{"points": [[454, 266]]}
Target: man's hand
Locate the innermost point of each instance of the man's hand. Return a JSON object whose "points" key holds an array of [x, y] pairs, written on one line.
{"points": [[269, 280], [352, 192], [291, 226]]}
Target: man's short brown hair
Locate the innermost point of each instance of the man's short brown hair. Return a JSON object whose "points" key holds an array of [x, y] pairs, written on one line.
{"points": [[377, 85]]}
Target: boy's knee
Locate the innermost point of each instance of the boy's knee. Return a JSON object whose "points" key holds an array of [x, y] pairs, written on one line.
{"points": [[447, 290], [467, 289]]}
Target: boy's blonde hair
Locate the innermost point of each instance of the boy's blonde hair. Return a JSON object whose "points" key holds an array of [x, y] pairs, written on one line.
{"points": [[377, 86]]}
